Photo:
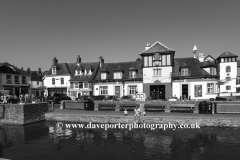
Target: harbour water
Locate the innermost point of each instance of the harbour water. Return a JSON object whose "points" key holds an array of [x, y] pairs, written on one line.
{"points": [[46, 141]]}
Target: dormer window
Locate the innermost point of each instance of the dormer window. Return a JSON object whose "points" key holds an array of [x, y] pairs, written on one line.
{"points": [[86, 72], [213, 71], [228, 69], [117, 75], [184, 71], [103, 75], [90, 71], [54, 70], [132, 74]]}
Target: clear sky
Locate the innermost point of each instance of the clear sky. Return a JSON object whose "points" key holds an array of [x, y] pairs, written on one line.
{"points": [[32, 32]]}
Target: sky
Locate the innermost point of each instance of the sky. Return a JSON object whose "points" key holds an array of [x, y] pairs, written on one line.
{"points": [[32, 32]]}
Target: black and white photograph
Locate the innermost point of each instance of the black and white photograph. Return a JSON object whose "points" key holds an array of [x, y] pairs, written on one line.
{"points": [[119, 79]]}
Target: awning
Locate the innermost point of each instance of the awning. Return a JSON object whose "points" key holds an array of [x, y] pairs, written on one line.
{"points": [[4, 91]]}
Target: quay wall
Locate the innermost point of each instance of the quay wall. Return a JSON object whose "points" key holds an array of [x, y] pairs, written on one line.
{"points": [[21, 114]]}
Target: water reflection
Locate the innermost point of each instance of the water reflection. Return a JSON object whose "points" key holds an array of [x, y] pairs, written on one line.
{"points": [[204, 143]]}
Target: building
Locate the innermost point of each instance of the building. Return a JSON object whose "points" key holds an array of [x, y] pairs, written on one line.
{"points": [[195, 77], [36, 84], [158, 61], [57, 78], [14, 79], [122, 78], [81, 81], [227, 64]]}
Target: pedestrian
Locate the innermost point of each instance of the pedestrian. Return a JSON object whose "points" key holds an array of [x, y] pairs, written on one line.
{"points": [[125, 112]]}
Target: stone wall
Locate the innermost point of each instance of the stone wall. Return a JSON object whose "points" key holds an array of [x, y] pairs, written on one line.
{"points": [[23, 113]]}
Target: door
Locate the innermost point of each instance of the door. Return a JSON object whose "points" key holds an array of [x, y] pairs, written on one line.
{"points": [[157, 91], [17, 91], [185, 91], [117, 91]]}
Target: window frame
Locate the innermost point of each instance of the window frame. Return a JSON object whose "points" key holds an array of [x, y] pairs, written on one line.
{"points": [[115, 75], [210, 87], [62, 81], [54, 70], [228, 69], [103, 90], [184, 71], [53, 81], [103, 76], [157, 70], [132, 89], [24, 80], [9, 79], [132, 74], [16, 79], [228, 88]]}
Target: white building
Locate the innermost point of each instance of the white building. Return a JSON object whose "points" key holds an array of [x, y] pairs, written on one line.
{"points": [[157, 70], [57, 78], [123, 78], [227, 64], [195, 77]]}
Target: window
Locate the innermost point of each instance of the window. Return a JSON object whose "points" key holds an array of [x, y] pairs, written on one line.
{"points": [[132, 89], [80, 84], [16, 79], [228, 69], [210, 88], [132, 74], [168, 60], [222, 59], [9, 79], [148, 61], [229, 59], [212, 71], [71, 85], [228, 87], [54, 70], [62, 80], [184, 72], [103, 90], [38, 83], [76, 85], [24, 81], [233, 59], [157, 72], [118, 75], [103, 75], [53, 81], [86, 85]]}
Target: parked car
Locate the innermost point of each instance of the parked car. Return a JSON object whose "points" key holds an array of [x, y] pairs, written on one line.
{"points": [[141, 97], [127, 98], [89, 105], [57, 98], [112, 98], [223, 99], [99, 98]]}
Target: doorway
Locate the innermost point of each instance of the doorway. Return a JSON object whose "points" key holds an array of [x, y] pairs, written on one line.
{"points": [[117, 91], [157, 91], [17, 91], [185, 91]]}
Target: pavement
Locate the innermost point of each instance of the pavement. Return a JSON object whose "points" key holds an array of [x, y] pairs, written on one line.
{"points": [[57, 111]]}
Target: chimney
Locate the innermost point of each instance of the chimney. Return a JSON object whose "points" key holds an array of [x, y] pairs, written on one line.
{"points": [[194, 51], [78, 59], [28, 70], [101, 61], [54, 61], [201, 57], [147, 46], [22, 68]]}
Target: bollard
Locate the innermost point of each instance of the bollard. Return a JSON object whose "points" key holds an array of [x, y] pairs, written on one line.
{"points": [[62, 106], [52, 105]]}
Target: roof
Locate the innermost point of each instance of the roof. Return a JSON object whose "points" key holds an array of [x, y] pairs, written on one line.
{"points": [[227, 54], [63, 68], [209, 57], [93, 66], [125, 67], [157, 47], [9, 68], [206, 64], [35, 76], [194, 67]]}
